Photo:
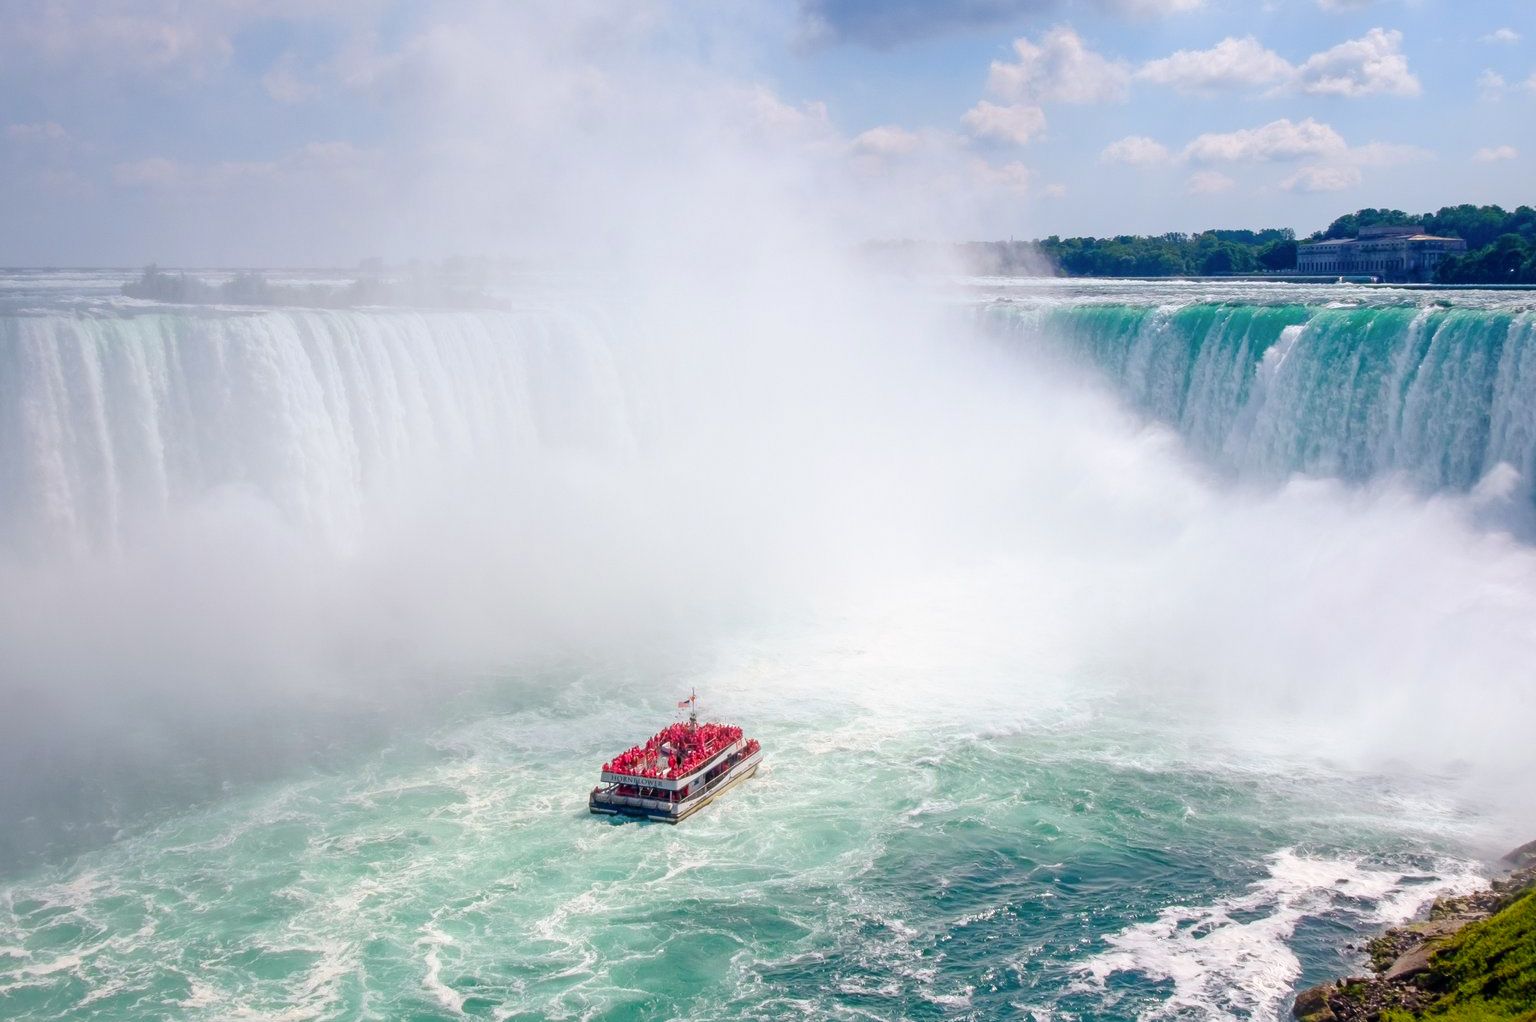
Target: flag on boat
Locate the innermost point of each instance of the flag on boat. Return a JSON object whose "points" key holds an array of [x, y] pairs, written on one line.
{"points": [[684, 704]]}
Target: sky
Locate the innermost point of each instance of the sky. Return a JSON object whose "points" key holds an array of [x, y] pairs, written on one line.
{"points": [[285, 132]]}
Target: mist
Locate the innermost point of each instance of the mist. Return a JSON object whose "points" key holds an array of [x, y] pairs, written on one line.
{"points": [[735, 437]]}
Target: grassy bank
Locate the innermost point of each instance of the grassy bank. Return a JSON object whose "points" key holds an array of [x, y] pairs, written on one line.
{"points": [[1485, 973]]}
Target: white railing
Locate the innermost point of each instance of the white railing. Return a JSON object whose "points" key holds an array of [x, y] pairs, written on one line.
{"points": [[668, 784], [664, 805]]}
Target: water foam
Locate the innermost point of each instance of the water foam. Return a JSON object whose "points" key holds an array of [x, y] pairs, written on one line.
{"points": [[1233, 959]]}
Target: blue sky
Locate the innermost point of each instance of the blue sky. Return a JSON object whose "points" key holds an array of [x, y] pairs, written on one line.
{"points": [[247, 132]]}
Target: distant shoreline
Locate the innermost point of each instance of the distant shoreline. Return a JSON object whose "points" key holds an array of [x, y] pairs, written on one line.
{"points": [[1288, 278]]}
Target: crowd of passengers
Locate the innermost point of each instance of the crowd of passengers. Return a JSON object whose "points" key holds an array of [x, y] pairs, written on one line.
{"points": [[674, 752]]}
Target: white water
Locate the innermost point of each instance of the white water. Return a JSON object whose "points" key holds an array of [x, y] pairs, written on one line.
{"points": [[226, 502], [116, 421], [921, 564]]}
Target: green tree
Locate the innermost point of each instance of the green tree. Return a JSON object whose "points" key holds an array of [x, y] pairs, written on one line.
{"points": [[1278, 255]]}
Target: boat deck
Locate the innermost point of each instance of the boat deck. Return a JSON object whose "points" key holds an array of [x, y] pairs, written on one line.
{"points": [[665, 805], [672, 757]]}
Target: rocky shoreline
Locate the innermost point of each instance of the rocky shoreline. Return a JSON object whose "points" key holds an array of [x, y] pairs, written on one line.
{"points": [[1403, 979]]}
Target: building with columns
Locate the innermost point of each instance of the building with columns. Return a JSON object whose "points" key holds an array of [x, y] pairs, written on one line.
{"points": [[1402, 253]]}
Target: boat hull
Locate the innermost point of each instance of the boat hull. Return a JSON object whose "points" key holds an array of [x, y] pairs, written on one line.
{"points": [[609, 803]]}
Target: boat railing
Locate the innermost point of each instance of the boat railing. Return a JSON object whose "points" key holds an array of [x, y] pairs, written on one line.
{"points": [[610, 795], [670, 783], [634, 802]]}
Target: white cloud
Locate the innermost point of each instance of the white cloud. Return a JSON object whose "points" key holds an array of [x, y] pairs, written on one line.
{"points": [[1018, 123], [473, 100], [1334, 172], [1277, 140], [1055, 190], [1209, 182], [1331, 163], [1372, 65], [1231, 63], [153, 172], [1386, 154], [1008, 177], [770, 117], [1369, 66], [1344, 5], [168, 39], [1322, 178], [1491, 85], [126, 39], [1137, 151], [1495, 154], [1059, 68], [1334, 164], [1502, 35], [46, 131], [886, 140], [314, 163], [284, 83]]}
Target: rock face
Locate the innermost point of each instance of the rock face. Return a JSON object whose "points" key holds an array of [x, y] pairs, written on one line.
{"points": [[1402, 956], [1523, 856]]}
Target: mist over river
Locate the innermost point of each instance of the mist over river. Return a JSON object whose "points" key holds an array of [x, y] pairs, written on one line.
{"points": [[1118, 649]]}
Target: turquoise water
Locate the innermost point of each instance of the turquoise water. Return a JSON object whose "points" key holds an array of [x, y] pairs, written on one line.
{"points": [[883, 864], [319, 624], [1356, 389]]}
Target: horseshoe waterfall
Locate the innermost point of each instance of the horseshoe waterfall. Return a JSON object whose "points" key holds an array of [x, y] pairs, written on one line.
{"points": [[1116, 649]]}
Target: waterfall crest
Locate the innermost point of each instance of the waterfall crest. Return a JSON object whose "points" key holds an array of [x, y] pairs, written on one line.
{"points": [[112, 419], [1439, 396]]}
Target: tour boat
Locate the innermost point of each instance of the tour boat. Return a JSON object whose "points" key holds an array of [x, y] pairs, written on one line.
{"points": [[677, 771]]}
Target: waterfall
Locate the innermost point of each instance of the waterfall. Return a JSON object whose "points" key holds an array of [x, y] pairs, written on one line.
{"points": [[109, 420], [1436, 395]]}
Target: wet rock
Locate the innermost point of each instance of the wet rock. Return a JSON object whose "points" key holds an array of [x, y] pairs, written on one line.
{"points": [[1431, 928], [1414, 963], [1312, 1005], [1401, 955]]}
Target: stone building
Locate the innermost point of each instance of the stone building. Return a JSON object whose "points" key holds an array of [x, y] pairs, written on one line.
{"points": [[1400, 253]]}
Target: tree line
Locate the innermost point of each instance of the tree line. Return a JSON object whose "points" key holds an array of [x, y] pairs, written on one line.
{"points": [[1501, 248], [1209, 253]]}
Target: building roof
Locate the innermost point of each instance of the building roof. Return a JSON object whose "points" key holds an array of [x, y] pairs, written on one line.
{"points": [[1394, 237]]}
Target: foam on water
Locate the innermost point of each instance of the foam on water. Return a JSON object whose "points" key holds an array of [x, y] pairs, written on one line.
{"points": [[1027, 676], [884, 865], [1233, 959]]}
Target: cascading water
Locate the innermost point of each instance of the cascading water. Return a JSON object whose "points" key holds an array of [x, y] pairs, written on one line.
{"points": [[1442, 396], [1054, 726], [111, 419]]}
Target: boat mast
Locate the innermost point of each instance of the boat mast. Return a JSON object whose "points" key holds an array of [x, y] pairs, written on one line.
{"points": [[693, 708]]}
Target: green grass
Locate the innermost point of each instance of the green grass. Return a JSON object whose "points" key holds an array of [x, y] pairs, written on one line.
{"points": [[1487, 972]]}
